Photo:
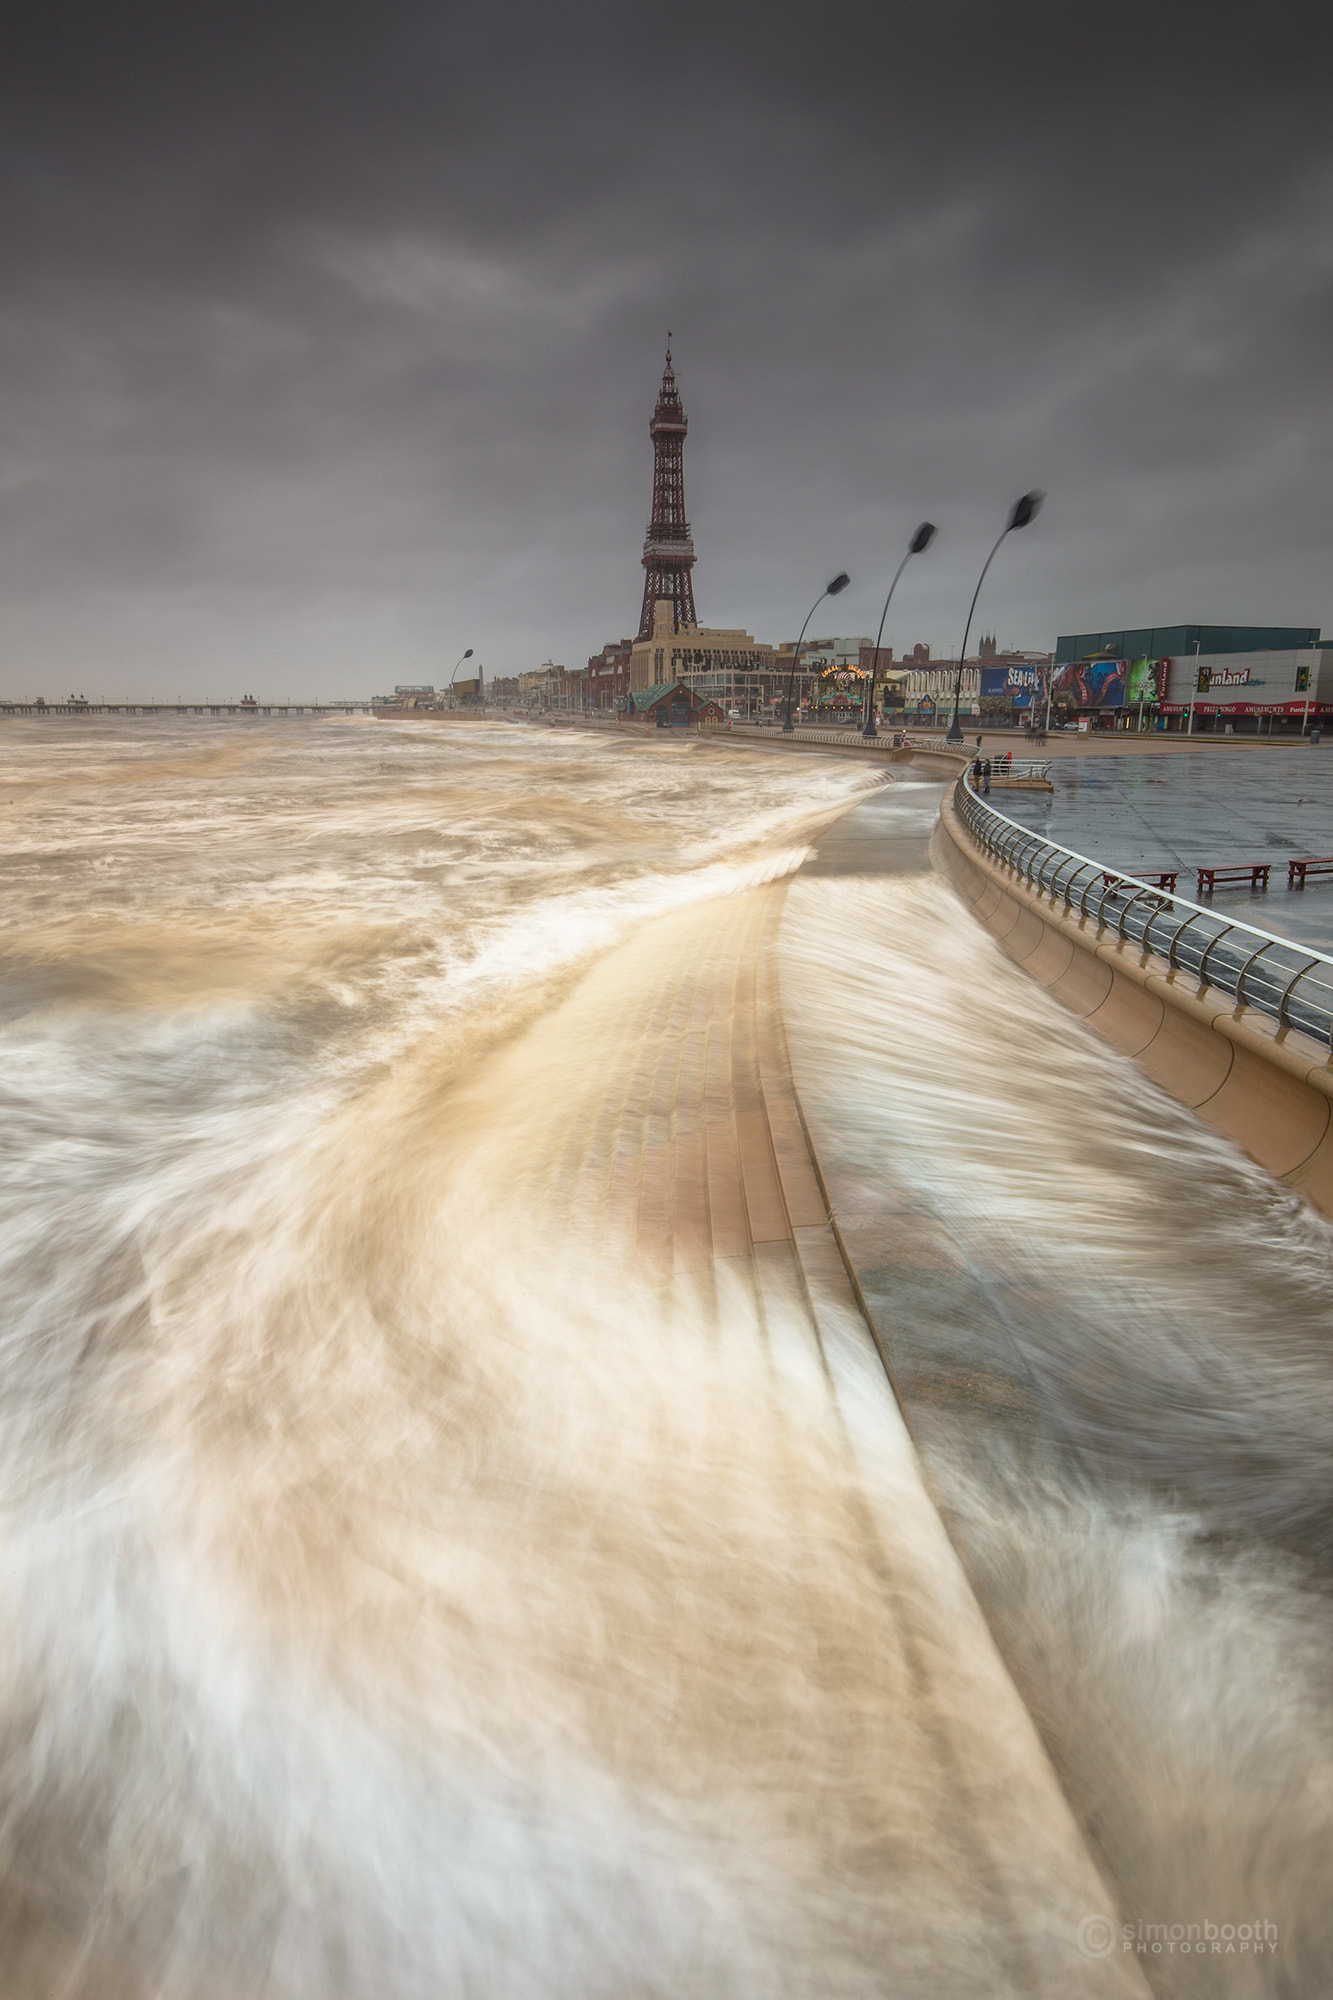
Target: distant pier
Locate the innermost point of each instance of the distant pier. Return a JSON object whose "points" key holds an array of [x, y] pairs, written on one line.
{"points": [[185, 708]]}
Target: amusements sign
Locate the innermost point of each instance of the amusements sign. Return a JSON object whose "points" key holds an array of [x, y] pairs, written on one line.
{"points": [[842, 687]]}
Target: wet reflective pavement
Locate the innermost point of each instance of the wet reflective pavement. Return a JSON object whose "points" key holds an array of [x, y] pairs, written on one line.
{"points": [[1219, 808]]}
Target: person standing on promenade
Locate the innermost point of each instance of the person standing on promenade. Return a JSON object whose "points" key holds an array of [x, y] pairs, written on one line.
{"points": [[985, 778], [976, 771]]}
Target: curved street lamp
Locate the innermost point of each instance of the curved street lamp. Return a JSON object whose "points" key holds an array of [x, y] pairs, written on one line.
{"points": [[840, 582], [454, 675], [919, 543], [1024, 511]]}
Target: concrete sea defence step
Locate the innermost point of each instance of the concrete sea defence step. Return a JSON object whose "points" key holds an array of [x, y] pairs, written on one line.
{"points": [[678, 1158]]}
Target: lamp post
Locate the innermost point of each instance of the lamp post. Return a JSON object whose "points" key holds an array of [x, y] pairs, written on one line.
{"points": [[454, 675], [840, 582], [919, 543], [1024, 512], [1195, 686]]}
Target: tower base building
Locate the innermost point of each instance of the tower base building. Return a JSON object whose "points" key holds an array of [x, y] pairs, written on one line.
{"points": [[720, 663]]}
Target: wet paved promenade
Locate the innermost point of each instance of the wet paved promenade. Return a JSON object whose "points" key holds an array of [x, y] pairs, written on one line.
{"points": [[1214, 808]]}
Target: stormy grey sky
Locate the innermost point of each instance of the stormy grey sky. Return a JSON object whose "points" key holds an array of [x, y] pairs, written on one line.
{"points": [[329, 334]]}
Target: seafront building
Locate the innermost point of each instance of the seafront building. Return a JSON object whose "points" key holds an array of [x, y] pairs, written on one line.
{"points": [[1232, 679], [553, 688], [415, 694], [672, 706], [997, 688], [1284, 688], [607, 679], [724, 663], [745, 675]]}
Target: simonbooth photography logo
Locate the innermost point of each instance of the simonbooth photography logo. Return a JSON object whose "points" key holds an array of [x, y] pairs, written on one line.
{"points": [[1100, 1937]]}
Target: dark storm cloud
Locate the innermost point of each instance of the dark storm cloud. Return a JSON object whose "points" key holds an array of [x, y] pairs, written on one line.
{"points": [[329, 336]]}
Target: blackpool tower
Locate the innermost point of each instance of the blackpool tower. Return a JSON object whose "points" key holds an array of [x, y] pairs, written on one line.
{"points": [[668, 551]]}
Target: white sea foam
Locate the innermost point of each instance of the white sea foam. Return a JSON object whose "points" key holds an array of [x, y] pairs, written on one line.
{"points": [[399, 1598], [1145, 1504]]}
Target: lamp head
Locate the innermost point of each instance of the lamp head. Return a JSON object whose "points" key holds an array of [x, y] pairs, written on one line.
{"points": [[468, 654], [1026, 510], [840, 582], [922, 539]]}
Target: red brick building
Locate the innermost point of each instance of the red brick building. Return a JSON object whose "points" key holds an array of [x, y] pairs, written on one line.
{"points": [[608, 676]]}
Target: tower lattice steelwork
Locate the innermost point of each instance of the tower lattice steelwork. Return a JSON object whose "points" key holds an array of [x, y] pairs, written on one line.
{"points": [[668, 551]]}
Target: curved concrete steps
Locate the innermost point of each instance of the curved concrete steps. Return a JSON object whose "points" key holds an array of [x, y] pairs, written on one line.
{"points": [[681, 1158]]}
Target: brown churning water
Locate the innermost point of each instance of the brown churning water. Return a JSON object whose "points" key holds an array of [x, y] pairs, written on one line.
{"points": [[400, 1595]]}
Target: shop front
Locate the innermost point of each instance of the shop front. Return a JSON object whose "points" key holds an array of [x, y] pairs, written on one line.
{"points": [[1267, 694]]}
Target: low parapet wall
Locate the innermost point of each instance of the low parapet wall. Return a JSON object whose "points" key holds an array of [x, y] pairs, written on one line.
{"points": [[1267, 1087], [944, 764]]}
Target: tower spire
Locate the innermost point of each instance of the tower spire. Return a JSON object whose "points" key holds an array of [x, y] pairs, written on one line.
{"points": [[668, 551]]}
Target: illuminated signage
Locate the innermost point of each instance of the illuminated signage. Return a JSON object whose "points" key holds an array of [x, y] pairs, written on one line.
{"points": [[1224, 677], [1144, 681]]}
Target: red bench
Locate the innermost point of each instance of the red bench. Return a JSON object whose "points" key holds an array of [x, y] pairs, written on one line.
{"points": [[1256, 876], [1298, 870], [1163, 878]]}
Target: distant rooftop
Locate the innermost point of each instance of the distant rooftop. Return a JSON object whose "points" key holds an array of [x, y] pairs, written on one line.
{"points": [[1161, 642]]}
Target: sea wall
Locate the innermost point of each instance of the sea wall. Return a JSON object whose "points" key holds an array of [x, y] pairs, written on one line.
{"points": [[1268, 1088]]}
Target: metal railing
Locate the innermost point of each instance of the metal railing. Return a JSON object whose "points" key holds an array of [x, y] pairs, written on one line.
{"points": [[1003, 772], [837, 738], [1289, 983], [845, 736], [939, 746]]}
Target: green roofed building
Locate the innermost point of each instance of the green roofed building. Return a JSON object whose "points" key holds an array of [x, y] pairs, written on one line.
{"points": [[1161, 642], [671, 705]]}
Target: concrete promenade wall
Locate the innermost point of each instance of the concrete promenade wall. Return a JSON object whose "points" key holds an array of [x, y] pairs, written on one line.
{"points": [[932, 763], [1269, 1089]]}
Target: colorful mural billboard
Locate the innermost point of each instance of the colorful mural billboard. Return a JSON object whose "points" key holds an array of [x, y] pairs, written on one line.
{"points": [[1091, 683]]}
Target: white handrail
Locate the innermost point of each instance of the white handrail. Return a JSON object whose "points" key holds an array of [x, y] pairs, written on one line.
{"points": [[1119, 875]]}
